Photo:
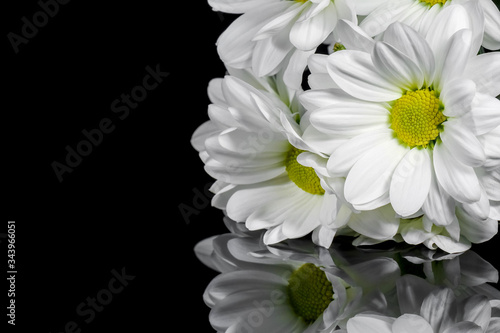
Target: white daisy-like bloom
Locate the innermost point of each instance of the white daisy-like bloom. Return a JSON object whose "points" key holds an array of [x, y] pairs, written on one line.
{"points": [[275, 35], [412, 122], [252, 146], [426, 309], [420, 14], [290, 289]]}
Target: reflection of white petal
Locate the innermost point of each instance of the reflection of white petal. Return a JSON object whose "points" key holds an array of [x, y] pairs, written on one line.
{"points": [[437, 309], [410, 323], [464, 327], [370, 323]]}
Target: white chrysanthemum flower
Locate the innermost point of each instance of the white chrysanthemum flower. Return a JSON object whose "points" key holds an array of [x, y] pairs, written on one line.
{"points": [[429, 310], [290, 289], [252, 146], [412, 122], [420, 14], [275, 35]]}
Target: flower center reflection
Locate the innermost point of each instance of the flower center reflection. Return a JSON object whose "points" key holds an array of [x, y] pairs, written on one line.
{"points": [[309, 292]]}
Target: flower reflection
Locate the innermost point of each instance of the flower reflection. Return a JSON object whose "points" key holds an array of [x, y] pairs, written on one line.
{"points": [[296, 286]]}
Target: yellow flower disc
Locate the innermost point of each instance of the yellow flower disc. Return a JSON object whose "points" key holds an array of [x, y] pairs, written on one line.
{"points": [[416, 118], [434, 2], [304, 177]]}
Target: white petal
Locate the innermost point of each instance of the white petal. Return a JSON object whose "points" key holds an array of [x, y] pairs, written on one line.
{"points": [[235, 45], [295, 68], [447, 244], [457, 97], [353, 37], [484, 70], [462, 143], [202, 133], [439, 206], [380, 18], [485, 113], [476, 24], [304, 218], [365, 7], [475, 229], [315, 99], [411, 43], [279, 22], [248, 199], [345, 10], [396, 67], [350, 119], [491, 39], [323, 236], [238, 6], [413, 231], [308, 34], [269, 53], [355, 73], [317, 63], [452, 61], [456, 178], [344, 157], [450, 20], [411, 182], [274, 235], [380, 224], [371, 176]]}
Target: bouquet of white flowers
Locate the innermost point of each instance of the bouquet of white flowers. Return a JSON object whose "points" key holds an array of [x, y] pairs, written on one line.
{"points": [[373, 120]]}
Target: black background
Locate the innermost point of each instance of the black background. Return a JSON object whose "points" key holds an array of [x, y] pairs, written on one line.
{"points": [[120, 207]]}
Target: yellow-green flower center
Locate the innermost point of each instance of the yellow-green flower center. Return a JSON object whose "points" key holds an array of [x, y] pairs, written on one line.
{"points": [[434, 2], [416, 118], [309, 292], [338, 47], [304, 177]]}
